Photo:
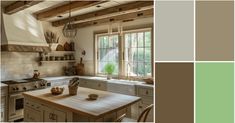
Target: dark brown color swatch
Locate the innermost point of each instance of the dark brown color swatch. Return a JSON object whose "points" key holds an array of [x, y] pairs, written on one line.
{"points": [[214, 30], [174, 92]]}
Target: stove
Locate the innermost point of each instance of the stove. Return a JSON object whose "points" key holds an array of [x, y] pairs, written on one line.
{"points": [[16, 86], [15, 97]]}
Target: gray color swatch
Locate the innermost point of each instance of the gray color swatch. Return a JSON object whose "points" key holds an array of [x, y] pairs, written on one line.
{"points": [[174, 31]]}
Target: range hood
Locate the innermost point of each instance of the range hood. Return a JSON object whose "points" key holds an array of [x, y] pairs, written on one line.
{"points": [[21, 32]]}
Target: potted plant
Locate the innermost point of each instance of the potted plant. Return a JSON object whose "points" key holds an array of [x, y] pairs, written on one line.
{"points": [[109, 69], [52, 40]]}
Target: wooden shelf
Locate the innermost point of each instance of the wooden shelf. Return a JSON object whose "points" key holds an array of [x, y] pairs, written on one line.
{"points": [[57, 54], [62, 52], [60, 61]]}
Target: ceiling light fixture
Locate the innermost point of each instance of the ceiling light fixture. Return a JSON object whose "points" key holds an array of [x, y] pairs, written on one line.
{"points": [[69, 29]]}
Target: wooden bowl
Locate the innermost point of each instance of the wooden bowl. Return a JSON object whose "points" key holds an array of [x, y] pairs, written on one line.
{"points": [[93, 96], [57, 90]]}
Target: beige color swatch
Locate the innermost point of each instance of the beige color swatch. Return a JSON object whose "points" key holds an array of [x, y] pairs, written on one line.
{"points": [[214, 31]]}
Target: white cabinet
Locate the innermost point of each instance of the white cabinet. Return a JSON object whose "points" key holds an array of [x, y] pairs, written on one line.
{"points": [[37, 112], [32, 115], [53, 115], [3, 108], [94, 84], [3, 114], [32, 111], [146, 94]]}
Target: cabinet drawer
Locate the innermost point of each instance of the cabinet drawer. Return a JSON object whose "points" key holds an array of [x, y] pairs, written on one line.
{"points": [[145, 92], [99, 86], [146, 100], [32, 105]]}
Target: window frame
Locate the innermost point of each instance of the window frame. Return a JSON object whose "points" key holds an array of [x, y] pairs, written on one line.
{"points": [[121, 47]]}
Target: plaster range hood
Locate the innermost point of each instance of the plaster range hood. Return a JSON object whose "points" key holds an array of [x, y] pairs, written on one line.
{"points": [[21, 32]]}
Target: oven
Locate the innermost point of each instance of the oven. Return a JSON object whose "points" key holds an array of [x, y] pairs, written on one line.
{"points": [[16, 107], [16, 98]]}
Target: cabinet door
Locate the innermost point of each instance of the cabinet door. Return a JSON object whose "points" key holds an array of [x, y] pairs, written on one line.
{"points": [[100, 86], [59, 116], [82, 83], [53, 115], [2, 114], [32, 115], [48, 115]]}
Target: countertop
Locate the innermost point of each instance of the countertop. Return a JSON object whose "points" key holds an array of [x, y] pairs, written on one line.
{"points": [[107, 102], [117, 81], [3, 85]]}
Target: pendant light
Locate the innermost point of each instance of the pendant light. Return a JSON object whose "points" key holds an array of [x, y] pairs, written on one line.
{"points": [[69, 29]]}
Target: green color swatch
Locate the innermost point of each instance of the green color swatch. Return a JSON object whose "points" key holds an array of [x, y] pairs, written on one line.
{"points": [[214, 92]]}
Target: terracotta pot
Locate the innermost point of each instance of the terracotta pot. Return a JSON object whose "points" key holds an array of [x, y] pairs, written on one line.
{"points": [[109, 76]]}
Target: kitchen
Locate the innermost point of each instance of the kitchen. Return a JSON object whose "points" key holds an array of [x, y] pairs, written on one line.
{"points": [[103, 49]]}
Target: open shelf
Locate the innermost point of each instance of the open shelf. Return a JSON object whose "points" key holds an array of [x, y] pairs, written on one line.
{"points": [[59, 61]]}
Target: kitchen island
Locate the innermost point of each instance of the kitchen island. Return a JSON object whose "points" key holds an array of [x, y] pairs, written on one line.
{"points": [[41, 105]]}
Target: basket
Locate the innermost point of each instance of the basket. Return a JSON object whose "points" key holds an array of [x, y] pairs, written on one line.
{"points": [[73, 90]]}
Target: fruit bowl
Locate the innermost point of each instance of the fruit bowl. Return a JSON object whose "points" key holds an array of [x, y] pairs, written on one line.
{"points": [[56, 90]]}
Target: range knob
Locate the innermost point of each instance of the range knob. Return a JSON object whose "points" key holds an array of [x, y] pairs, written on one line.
{"points": [[17, 88], [13, 88], [35, 86], [25, 88]]}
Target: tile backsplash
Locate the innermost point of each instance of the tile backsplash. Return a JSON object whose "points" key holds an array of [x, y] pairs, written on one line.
{"points": [[18, 65]]}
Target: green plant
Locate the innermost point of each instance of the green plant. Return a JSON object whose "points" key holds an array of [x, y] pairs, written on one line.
{"points": [[109, 68]]}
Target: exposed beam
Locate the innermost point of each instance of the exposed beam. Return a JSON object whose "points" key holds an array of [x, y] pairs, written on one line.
{"points": [[114, 11], [19, 5], [75, 5], [119, 18]]}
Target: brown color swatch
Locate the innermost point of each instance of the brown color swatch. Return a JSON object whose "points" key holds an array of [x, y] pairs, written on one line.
{"points": [[174, 92], [214, 30]]}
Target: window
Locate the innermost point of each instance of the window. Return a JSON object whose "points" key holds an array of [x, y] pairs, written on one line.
{"points": [[107, 52], [130, 53], [138, 53]]}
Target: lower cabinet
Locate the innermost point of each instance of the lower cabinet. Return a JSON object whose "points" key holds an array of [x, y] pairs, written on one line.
{"points": [[53, 115], [32, 115], [3, 105], [93, 84], [3, 114], [36, 112], [146, 94]]}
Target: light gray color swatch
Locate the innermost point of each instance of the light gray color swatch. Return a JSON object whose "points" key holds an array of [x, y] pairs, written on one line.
{"points": [[174, 31]]}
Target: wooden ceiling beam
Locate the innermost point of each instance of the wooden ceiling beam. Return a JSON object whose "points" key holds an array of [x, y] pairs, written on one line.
{"points": [[113, 11], [74, 5], [119, 18], [19, 6]]}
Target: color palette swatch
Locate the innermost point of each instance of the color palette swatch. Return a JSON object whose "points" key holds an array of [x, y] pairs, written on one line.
{"points": [[194, 61]]}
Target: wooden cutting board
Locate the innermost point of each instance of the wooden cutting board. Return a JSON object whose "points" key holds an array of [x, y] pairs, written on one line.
{"points": [[67, 47], [80, 69]]}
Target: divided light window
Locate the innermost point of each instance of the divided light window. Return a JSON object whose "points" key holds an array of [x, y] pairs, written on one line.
{"points": [[107, 52], [135, 57], [138, 53]]}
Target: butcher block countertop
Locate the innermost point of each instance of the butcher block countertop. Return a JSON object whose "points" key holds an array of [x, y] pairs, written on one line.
{"points": [[107, 102]]}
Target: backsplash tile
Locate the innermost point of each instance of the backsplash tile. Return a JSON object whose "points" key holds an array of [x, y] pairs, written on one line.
{"points": [[18, 65]]}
